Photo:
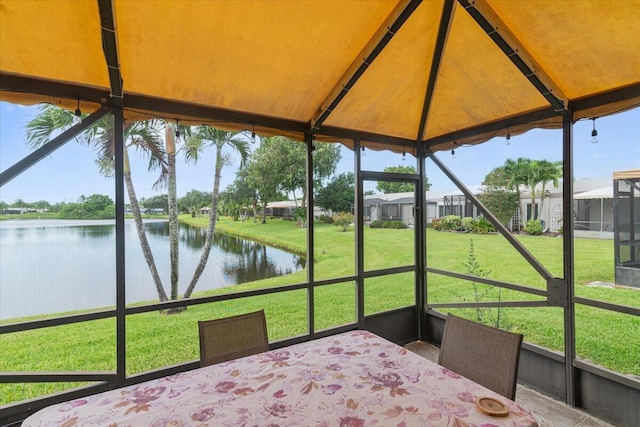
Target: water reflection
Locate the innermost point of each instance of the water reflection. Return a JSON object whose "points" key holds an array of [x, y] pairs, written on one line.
{"points": [[252, 260], [56, 266]]}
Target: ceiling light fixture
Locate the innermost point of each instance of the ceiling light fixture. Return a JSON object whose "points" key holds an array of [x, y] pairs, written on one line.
{"points": [[594, 132]]}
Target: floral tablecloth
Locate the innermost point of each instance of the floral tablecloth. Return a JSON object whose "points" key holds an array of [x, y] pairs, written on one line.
{"points": [[355, 379]]}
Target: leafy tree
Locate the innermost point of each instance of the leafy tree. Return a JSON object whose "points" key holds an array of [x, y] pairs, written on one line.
{"points": [[159, 201], [388, 187], [203, 137], [289, 159], [500, 194], [96, 206], [508, 177], [42, 205], [338, 194], [193, 201], [238, 195], [97, 202], [262, 174], [501, 202]]}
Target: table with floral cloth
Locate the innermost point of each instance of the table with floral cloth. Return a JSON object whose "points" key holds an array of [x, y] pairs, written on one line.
{"points": [[355, 379]]}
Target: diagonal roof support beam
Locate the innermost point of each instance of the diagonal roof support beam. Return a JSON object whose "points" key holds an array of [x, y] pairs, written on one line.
{"points": [[110, 48], [443, 32], [517, 245], [51, 146], [376, 44], [495, 28]]}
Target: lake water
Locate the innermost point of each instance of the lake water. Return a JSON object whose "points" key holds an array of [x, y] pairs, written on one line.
{"points": [[52, 266]]}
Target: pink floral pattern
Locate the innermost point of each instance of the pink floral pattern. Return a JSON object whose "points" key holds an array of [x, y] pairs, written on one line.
{"points": [[355, 379]]}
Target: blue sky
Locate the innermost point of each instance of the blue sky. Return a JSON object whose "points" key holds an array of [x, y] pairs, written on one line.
{"points": [[71, 172]]}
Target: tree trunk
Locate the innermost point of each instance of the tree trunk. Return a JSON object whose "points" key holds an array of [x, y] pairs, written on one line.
{"points": [[142, 236], [254, 205], [541, 200], [206, 249], [173, 209], [264, 212]]}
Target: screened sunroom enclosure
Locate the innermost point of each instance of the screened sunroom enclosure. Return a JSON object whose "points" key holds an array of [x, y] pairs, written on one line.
{"points": [[410, 77]]}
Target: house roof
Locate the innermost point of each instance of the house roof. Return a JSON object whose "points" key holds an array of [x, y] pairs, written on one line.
{"points": [[394, 73], [630, 174], [598, 193]]}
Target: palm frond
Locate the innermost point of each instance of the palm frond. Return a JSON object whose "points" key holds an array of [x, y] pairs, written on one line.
{"points": [[50, 121]]}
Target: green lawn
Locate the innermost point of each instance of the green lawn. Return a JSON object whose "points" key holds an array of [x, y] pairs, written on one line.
{"points": [[155, 340]]}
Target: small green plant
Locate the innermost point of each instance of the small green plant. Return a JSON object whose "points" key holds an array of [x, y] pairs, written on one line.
{"points": [[376, 224], [481, 291], [534, 227], [343, 219]]}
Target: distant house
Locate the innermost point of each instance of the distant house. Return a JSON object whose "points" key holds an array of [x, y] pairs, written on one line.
{"points": [[592, 207], [399, 206], [21, 210], [285, 208], [593, 210]]}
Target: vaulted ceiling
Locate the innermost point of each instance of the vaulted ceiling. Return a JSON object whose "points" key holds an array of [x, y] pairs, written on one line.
{"points": [[393, 73]]}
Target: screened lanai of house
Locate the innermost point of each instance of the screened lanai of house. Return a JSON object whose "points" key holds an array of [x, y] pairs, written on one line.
{"points": [[406, 76]]}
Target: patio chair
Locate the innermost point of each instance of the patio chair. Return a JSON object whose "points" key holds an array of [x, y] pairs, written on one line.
{"points": [[486, 355], [232, 337]]}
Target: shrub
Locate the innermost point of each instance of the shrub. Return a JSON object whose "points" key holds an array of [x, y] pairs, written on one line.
{"points": [[343, 219], [376, 224], [483, 226], [452, 223], [394, 224], [467, 223], [533, 227], [326, 219], [436, 223]]}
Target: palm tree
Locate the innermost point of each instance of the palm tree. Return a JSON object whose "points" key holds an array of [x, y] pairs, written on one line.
{"points": [[172, 199], [546, 172], [205, 136], [515, 171], [101, 138]]}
